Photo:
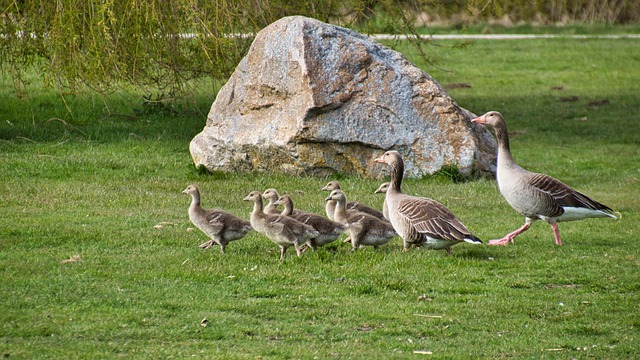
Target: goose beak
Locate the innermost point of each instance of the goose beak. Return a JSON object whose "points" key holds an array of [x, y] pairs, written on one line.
{"points": [[379, 160], [247, 198], [324, 188], [184, 191], [328, 198], [479, 120]]}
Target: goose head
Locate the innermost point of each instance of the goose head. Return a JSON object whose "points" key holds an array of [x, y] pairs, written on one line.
{"points": [[253, 196], [271, 195], [390, 157], [190, 190], [336, 195], [331, 185], [283, 200], [492, 118], [382, 188]]}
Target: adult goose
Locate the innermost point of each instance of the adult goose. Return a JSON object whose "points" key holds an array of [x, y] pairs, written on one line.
{"points": [[536, 196], [382, 189], [220, 226], [329, 230], [280, 229], [272, 196], [351, 206], [420, 220], [364, 229]]}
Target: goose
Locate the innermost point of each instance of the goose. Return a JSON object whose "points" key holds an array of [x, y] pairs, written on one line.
{"points": [[536, 196], [220, 226], [364, 229], [382, 189], [272, 196], [329, 230], [353, 205], [420, 220], [280, 229]]}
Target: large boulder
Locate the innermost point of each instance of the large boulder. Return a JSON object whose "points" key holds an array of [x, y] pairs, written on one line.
{"points": [[314, 98]]}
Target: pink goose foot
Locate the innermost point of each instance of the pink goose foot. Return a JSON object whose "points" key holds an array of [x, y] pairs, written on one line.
{"points": [[504, 241], [509, 238]]}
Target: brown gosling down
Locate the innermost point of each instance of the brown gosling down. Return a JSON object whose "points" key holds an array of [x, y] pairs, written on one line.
{"points": [[281, 229], [272, 196], [420, 220], [220, 226], [382, 189], [329, 230], [350, 206], [364, 229], [536, 196]]}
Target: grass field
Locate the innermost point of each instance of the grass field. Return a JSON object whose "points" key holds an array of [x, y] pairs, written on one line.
{"points": [[105, 185]]}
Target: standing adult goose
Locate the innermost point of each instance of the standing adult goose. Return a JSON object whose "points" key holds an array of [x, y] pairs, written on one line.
{"points": [[280, 229], [364, 229], [272, 196], [382, 189], [420, 220], [220, 226], [353, 205], [536, 196], [329, 230]]}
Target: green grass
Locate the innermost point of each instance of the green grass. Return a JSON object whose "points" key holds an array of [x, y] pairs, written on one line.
{"points": [[94, 184]]}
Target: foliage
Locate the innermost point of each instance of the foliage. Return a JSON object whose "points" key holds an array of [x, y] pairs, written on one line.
{"points": [[160, 46], [155, 45], [96, 259], [543, 11]]}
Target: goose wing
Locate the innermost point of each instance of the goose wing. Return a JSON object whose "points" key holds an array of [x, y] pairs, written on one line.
{"points": [[433, 219], [216, 220], [564, 195]]}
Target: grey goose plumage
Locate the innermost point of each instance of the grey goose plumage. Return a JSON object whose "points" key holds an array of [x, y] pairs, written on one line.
{"points": [[328, 230], [420, 220], [364, 229], [220, 226], [350, 206], [536, 196], [281, 229]]}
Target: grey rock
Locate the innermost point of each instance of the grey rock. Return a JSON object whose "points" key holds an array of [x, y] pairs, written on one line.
{"points": [[313, 98]]}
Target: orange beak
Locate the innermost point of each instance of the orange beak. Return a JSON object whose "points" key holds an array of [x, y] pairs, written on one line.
{"points": [[479, 120], [379, 160]]}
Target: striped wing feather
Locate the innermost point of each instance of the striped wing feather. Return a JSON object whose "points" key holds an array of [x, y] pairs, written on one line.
{"points": [[564, 195], [430, 217]]}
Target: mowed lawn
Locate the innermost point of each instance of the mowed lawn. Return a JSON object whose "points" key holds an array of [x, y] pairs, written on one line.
{"points": [[98, 258]]}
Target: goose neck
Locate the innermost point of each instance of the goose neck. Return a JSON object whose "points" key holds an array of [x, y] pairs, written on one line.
{"points": [[288, 208], [340, 210], [257, 206], [195, 198], [397, 171], [504, 149]]}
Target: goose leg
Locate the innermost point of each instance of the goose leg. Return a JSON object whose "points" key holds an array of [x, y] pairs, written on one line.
{"points": [[405, 246], [354, 243], [283, 250], [448, 250], [206, 245], [510, 236], [222, 246], [297, 246], [556, 234]]}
